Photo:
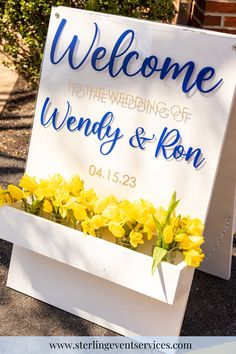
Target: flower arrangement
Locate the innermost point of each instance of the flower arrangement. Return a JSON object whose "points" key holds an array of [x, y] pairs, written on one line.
{"points": [[129, 224]]}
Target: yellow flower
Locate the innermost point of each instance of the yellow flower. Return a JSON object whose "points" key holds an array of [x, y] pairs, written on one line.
{"points": [[2, 196], [184, 241], [114, 213], [175, 222], [44, 190], [180, 237], [168, 234], [47, 206], [88, 227], [57, 180], [101, 203], [136, 238], [98, 221], [15, 192], [145, 204], [196, 241], [28, 183], [187, 242], [160, 214], [148, 232], [129, 208], [63, 202], [79, 212], [87, 198], [75, 185], [193, 257], [145, 218], [116, 229], [8, 199], [195, 227]]}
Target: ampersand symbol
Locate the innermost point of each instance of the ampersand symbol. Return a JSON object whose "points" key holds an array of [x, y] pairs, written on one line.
{"points": [[138, 140]]}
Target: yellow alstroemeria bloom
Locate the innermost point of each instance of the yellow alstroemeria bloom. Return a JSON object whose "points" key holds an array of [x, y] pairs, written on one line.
{"points": [[28, 183], [101, 203], [15, 192], [79, 211], [47, 206], [193, 258], [88, 227], [168, 234], [116, 229], [75, 185], [136, 238]]}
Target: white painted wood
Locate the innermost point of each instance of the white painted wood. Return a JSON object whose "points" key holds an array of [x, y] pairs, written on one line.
{"points": [[89, 277], [203, 125], [103, 302], [93, 255], [218, 245]]}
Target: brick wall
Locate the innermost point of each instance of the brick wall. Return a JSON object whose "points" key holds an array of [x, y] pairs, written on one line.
{"points": [[216, 15]]}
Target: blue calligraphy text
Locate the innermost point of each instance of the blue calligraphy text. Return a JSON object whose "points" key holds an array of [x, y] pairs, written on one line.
{"points": [[139, 140], [122, 57], [170, 147], [102, 129]]}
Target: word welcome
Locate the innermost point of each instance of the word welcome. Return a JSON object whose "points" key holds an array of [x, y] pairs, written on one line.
{"points": [[168, 145], [122, 58]]}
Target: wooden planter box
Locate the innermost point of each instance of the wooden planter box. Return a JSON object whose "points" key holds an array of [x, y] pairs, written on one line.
{"points": [[93, 278]]}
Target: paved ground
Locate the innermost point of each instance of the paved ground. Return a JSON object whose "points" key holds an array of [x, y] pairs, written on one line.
{"points": [[211, 307], [7, 81]]}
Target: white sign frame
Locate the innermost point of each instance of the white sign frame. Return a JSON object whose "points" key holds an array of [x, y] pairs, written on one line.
{"points": [[27, 270]]}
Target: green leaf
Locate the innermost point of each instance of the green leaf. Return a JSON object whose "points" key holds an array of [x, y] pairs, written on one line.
{"points": [[172, 206], [159, 233], [158, 224], [158, 254], [173, 199]]}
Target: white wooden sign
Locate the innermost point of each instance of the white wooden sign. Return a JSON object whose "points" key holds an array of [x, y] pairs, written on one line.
{"points": [[140, 110], [136, 107]]}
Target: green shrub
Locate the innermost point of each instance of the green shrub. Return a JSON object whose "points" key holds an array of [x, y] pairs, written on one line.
{"points": [[23, 25], [158, 10]]}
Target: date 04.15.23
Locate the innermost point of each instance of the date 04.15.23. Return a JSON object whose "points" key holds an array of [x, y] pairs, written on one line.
{"points": [[113, 176]]}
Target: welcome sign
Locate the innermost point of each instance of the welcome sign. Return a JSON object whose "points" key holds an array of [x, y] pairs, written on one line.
{"points": [[139, 109]]}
